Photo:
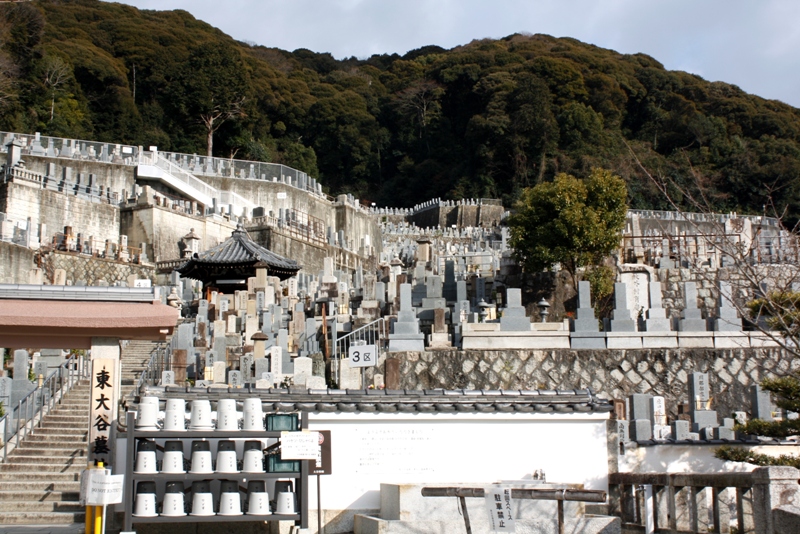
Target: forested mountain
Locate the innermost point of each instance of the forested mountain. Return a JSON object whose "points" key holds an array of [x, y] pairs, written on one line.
{"points": [[481, 120]]}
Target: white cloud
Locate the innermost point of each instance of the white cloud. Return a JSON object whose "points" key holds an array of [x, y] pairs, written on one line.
{"points": [[749, 44]]}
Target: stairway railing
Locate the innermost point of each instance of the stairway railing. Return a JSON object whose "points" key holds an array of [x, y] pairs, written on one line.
{"points": [[20, 420]]}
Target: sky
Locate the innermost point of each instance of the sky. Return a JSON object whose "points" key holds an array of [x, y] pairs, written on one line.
{"points": [[754, 44]]}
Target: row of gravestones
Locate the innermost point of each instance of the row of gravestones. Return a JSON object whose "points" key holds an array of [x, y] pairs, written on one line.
{"points": [[647, 416]]}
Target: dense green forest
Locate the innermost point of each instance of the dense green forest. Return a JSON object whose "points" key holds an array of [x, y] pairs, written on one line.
{"points": [[481, 120]]}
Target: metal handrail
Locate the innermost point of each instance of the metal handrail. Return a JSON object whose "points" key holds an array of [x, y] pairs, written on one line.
{"points": [[31, 409]]}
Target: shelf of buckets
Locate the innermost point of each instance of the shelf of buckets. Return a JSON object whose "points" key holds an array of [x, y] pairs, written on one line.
{"points": [[203, 487]]}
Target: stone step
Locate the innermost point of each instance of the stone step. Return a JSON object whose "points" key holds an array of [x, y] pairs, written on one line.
{"points": [[60, 437], [45, 506], [77, 427], [35, 469], [56, 449], [36, 460], [42, 518], [13, 487], [39, 477], [66, 417], [41, 494]]}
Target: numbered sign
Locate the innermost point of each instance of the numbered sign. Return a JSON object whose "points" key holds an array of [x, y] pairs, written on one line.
{"points": [[363, 355]]}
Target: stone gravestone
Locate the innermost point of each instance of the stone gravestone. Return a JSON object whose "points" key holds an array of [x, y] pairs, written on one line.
{"points": [[728, 319], [585, 327], [302, 371], [656, 315], [219, 372], [699, 396], [235, 379], [514, 318], [406, 335], [262, 365], [761, 403], [20, 385], [246, 367], [5, 391], [622, 320], [167, 378], [40, 369], [691, 316]]}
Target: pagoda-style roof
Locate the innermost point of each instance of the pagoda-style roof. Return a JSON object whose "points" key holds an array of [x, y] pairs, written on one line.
{"points": [[236, 259]]}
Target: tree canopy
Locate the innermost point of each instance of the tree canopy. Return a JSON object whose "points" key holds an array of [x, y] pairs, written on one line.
{"points": [[569, 221], [485, 119]]}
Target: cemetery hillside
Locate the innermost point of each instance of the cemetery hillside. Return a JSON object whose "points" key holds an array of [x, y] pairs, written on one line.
{"points": [[482, 120]]}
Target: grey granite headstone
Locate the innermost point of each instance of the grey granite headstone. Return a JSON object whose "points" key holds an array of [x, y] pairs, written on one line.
{"points": [[656, 315], [21, 365], [168, 377], [691, 316], [5, 389], [724, 433], [40, 369], [704, 419], [461, 290], [699, 391], [640, 406], [585, 320], [641, 430], [262, 365], [246, 366], [234, 379], [727, 319], [761, 403], [680, 430], [622, 320], [406, 335], [514, 318]]}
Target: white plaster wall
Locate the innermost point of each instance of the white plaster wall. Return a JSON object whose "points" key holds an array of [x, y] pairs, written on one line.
{"points": [[691, 459], [368, 449]]}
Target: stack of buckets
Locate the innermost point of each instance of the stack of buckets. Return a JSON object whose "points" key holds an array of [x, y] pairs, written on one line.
{"points": [[173, 462]]}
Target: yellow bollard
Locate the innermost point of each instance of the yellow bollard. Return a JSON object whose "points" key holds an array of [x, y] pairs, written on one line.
{"points": [[89, 509], [98, 512]]}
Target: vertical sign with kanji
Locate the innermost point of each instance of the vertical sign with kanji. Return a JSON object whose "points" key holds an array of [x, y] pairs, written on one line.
{"points": [[103, 408], [498, 504]]}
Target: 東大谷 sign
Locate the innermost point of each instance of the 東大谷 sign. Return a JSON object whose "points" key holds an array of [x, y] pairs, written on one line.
{"points": [[103, 408], [299, 445], [363, 355]]}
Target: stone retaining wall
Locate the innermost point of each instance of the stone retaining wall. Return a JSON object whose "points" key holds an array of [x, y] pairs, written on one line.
{"points": [[610, 373], [94, 271]]}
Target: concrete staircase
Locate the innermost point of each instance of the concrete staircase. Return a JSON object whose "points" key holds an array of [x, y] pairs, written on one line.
{"points": [[134, 358], [39, 482]]}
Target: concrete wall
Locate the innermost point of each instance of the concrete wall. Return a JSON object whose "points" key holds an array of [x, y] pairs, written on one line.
{"points": [[109, 175], [356, 223], [16, 263], [57, 210], [486, 215], [162, 229], [441, 449], [612, 374]]}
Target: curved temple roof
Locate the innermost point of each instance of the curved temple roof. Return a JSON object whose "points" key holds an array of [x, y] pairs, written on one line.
{"points": [[234, 257]]}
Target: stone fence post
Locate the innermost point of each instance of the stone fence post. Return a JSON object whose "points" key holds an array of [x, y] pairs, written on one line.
{"points": [[773, 487]]}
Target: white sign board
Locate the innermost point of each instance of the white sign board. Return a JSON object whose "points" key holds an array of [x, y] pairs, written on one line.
{"points": [[299, 445], [104, 489], [499, 504], [142, 283], [363, 355], [281, 196]]}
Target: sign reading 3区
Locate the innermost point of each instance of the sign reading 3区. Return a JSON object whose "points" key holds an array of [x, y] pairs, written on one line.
{"points": [[363, 355]]}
